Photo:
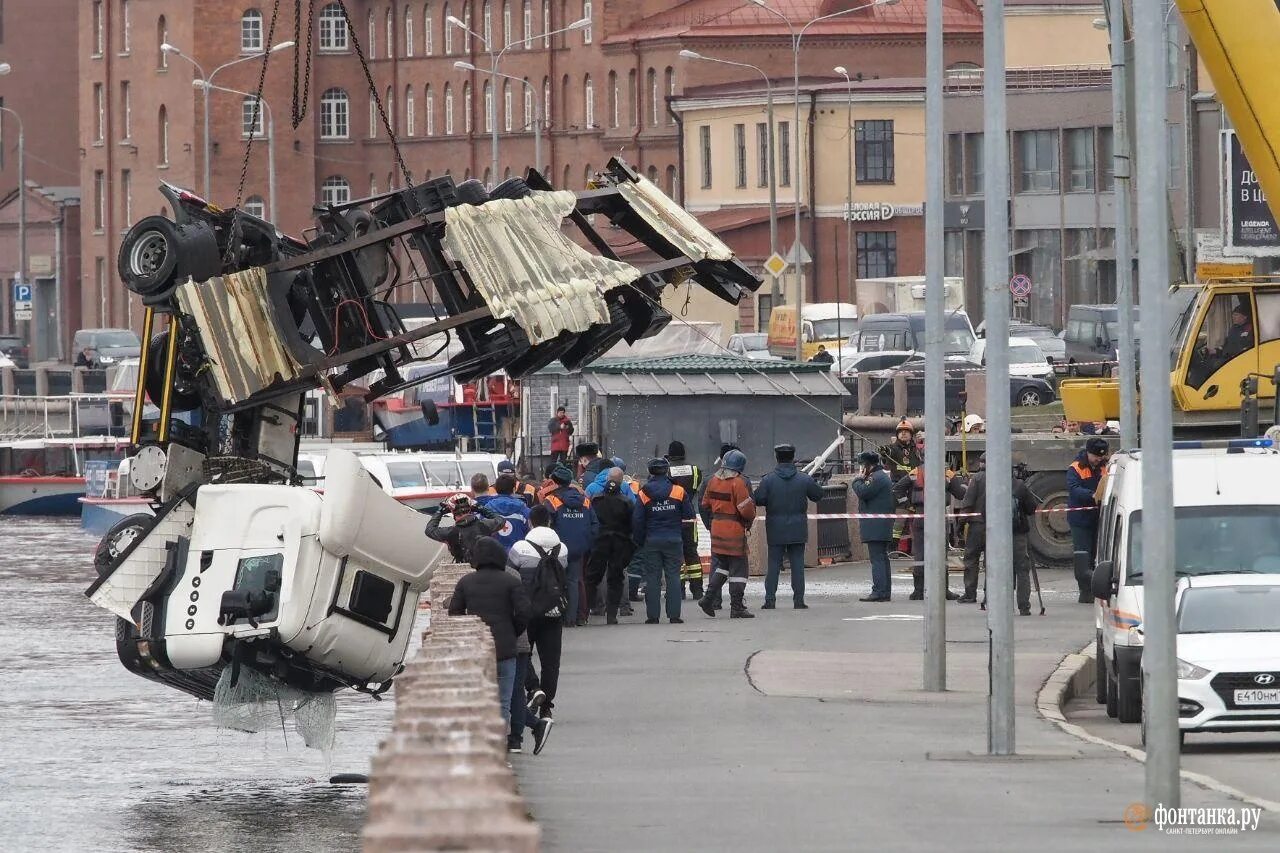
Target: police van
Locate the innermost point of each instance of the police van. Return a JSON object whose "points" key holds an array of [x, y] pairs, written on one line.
{"points": [[1227, 520]]}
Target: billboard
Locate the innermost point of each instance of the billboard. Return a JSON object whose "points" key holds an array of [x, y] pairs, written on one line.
{"points": [[1248, 227]]}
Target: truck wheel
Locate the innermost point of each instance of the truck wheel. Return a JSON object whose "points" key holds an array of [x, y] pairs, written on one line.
{"points": [[148, 259], [1100, 673], [186, 387], [1128, 698], [1113, 704], [118, 538], [1050, 536]]}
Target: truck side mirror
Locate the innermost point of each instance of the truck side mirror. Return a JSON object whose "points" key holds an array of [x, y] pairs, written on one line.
{"points": [[1104, 582]]}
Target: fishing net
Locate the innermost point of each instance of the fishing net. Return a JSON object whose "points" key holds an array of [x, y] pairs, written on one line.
{"points": [[256, 703]]}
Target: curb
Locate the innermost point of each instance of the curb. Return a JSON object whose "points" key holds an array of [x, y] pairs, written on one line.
{"points": [[1074, 677]]}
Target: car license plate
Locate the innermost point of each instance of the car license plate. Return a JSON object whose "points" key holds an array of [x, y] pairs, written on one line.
{"points": [[1258, 697]]}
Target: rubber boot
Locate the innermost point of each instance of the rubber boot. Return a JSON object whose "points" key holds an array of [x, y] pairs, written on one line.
{"points": [[708, 601], [738, 607], [917, 581]]}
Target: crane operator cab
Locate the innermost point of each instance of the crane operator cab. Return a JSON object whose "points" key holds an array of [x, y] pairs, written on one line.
{"points": [[1228, 333]]}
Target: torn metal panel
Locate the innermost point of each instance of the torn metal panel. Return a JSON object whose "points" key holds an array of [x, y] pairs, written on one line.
{"points": [[233, 315], [527, 270], [673, 222]]}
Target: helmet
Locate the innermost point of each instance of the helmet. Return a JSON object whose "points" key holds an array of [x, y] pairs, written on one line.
{"points": [[618, 463], [659, 466], [972, 422], [904, 425], [459, 504], [735, 460], [675, 450]]}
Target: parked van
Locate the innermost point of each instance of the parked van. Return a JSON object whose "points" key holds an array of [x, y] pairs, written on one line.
{"points": [[1227, 519], [880, 332], [825, 324], [1091, 336]]}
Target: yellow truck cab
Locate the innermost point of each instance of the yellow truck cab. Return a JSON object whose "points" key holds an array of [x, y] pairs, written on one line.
{"points": [[826, 324]]}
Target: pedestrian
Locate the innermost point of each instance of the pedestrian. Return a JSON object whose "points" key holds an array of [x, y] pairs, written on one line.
{"points": [[590, 463], [535, 695], [501, 603], [502, 500], [470, 523], [909, 491], [784, 494], [656, 524], [525, 491], [561, 430], [821, 356], [1086, 481], [575, 523], [613, 549], [689, 477], [727, 511], [874, 489]]}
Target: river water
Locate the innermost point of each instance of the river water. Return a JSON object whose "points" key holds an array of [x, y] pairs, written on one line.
{"points": [[94, 758]]}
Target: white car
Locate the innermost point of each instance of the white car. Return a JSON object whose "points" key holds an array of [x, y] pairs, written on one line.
{"points": [[1025, 358], [865, 362], [1229, 651], [752, 345]]}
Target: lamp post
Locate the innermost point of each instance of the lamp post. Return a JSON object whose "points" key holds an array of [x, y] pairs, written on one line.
{"points": [[494, 59], [271, 141], [774, 290], [537, 110], [5, 68], [848, 213], [796, 36], [206, 81]]}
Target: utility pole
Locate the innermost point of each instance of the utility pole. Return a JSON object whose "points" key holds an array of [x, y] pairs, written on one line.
{"points": [[1160, 689], [1123, 168], [935, 484], [999, 510]]}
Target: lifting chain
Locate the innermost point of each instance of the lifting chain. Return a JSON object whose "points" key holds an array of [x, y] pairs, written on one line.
{"points": [[302, 93], [373, 93]]}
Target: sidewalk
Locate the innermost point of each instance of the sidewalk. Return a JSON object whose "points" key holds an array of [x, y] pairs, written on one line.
{"points": [[807, 730]]}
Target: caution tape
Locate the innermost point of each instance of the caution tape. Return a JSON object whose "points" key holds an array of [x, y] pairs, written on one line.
{"points": [[884, 373], [908, 516]]}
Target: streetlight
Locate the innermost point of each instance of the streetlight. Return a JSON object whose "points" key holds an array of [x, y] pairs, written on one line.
{"points": [[774, 291], [796, 36], [5, 68], [494, 59], [848, 214], [208, 84], [537, 110], [271, 140]]}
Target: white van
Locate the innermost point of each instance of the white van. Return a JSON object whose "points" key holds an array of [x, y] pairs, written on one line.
{"points": [[1227, 520]]}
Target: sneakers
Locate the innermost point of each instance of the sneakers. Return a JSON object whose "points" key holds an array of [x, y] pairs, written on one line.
{"points": [[768, 605], [515, 747], [676, 621], [541, 731], [651, 621], [537, 699], [707, 607]]}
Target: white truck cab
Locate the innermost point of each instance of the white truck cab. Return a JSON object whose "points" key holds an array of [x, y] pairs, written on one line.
{"points": [[1227, 520]]}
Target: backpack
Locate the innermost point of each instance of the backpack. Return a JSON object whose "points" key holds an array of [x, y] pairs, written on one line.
{"points": [[549, 595]]}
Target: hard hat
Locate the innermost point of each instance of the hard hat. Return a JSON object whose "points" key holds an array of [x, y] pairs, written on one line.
{"points": [[735, 460]]}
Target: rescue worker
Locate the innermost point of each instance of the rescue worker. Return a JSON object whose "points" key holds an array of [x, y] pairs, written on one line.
{"points": [[727, 511], [659, 516], [902, 454], [525, 491], [909, 491], [716, 597], [612, 551], [575, 523], [785, 493], [470, 523], [874, 489], [561, 429], [502, 500], [689, 477], [1086, 480]]}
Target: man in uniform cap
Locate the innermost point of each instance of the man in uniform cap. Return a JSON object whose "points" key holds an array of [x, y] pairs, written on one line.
{"points": [[874, 489], [1086, 481], [785, 493]]}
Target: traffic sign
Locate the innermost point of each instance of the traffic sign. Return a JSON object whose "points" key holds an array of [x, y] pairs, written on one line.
{"points": [[1021, 302], [776, 265], [22, 313], [21, 293], [1020, 285]]}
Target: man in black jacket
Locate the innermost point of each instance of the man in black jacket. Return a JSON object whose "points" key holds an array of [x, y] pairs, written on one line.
{"points": [[613, 549], [688, 476], [499, 599], [470, 523]]}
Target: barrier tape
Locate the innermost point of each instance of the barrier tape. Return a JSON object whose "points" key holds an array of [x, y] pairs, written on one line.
{"points": [[879, 373], [907, 516]]}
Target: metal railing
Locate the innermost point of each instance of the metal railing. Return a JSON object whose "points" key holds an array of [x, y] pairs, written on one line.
{"points": [[60, 416], [1033, 79]]}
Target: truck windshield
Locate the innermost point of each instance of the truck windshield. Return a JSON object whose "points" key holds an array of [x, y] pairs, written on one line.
{"points": [[833, 329], [1229, 609], [1216, 540]]}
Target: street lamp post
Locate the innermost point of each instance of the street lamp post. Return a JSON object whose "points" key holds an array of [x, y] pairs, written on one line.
{"points": [[537, 110], [5, 68], [774, 291], [848, 214], [796, 36], [494, 74], [207, 85], [271, 141]]}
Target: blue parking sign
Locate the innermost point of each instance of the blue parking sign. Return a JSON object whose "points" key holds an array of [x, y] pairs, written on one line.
{"points": [[21, 292]]}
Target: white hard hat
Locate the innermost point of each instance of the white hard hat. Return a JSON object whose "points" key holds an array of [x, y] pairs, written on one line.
{"points": [[971, 422]]}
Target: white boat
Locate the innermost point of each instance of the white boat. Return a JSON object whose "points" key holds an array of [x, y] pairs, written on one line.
{"points": [[46, 476]]}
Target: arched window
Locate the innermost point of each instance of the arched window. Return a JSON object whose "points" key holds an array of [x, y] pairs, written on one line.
{"points": [[632, 112], [671, 182], [333, 28], [506, 174], [162, 37], [488, 107], [614, 112], [466, 33], [508, 107], [530, 119], [448, 32], [546, 101], [508, 35], [466, 107], [486, 23], [546, 23], [410, 123], [565, 184], [586, 13], [255, 206], [335, 114], [487, 178], [390, 24], [526, 14], [162, 137], [669, 87], [564, 101], [389, 104], [373, 184], [373, 117], [588, 103], [428, 32], [408, 32], [429, 107], [448, 109], [371, 49], [466, 174], [251, 31], [586, 175], [335, 190], [651, 89]]}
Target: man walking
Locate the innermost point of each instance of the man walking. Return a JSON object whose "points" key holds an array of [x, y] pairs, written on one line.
{"points": [[613, 549], [545, 630], [688, 477], [659, 516], [785, 493], [874, 489], [1086, 481], [727, 511], [561, 430], [909, 491], [575, 523]]}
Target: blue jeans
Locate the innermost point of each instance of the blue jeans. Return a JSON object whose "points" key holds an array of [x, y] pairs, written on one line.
{"points": [[506, 680], [659, 561], [517, 701], [795, 557], [573, 580], [879, 554]]}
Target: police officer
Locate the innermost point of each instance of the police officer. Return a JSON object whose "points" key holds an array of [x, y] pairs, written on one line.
{"points": [[875, 496], [689, 477], [1086, 480], [909, 491]]}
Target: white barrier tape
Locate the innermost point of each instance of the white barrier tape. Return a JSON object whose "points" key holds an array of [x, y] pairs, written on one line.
{"points": [[907, 516], [886, 373]]}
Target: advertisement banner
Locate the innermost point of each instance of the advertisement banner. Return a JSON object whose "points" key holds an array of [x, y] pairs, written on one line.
{"points": [[1248, 228]]}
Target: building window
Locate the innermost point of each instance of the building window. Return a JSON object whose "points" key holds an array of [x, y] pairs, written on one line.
{"points": [[466, 33], [507, 33], [333, 29], [546, 24], [508, 107], [448, 109], [100, 278], [615, 112], [391, 34], [1106, 159], [466, 108], [335, 114], [125, 28], [98, 31], [588, 104], [389, 104], [429, 106], [100, 114], [530, 120], [255, 206], [488, 107], [410, 120], [448, 32], [335, 190], [704, 147], [877, 254], [487, 22], [651, 86], [527, 15], [408, 32], [955, 164], [251, 119], [973, 163], [126, 191], [162, 37], [546, 101], [740, 156], [371, 49], [873, 151], [1081, 167], [126, 111], [373, 117], [428, 32], [953, 253], [784, 153], [1038, 153], [99, 200], [762, 154], [163, 136], [251, 32], [672, 182], [586, 13]]}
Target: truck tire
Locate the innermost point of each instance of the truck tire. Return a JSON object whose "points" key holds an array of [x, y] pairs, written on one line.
{"points": [[1050, 537], [1113, 704], [148, 259], [118, 538], [1128, 697], [1100, 673]]}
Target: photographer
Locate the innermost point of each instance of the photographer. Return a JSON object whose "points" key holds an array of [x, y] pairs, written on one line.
{"points": [[470, 523]]}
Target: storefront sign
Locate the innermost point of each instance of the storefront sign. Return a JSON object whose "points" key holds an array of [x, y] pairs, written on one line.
{"points": [[876, 211], [1248, 228]]}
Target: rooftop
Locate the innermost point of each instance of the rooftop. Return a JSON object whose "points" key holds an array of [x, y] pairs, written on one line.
{"points": [[700, 364]]}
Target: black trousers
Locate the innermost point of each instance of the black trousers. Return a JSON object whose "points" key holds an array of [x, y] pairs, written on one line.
{"points": [[545, 635], [975, 546], [609, 559]]}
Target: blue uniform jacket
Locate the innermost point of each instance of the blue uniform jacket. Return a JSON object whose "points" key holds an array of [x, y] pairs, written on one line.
{"points": [[514, 512], [1082, 482], [875, 495], [660, 512], [784, 493], [573, 520]]}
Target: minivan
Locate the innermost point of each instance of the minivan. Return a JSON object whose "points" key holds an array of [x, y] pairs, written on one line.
{"points": [[880, 332], [1092, 335]]}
